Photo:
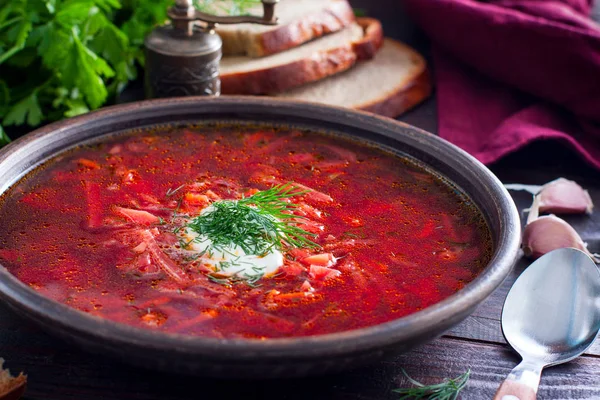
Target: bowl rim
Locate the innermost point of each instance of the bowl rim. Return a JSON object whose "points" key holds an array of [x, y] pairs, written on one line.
{"points": [[66, 318]]}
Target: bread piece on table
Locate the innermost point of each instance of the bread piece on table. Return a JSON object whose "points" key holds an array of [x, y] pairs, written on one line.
{"points": [[299, 21], [310, 62], [11, 387], [390, 84]]}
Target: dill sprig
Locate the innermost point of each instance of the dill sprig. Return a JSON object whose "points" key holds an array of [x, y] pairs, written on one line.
{"points": [[171, 191], [257, 224], [447, 390]]}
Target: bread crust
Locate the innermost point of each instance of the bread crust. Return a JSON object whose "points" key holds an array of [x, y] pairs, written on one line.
{"points": [[320, 65], [331, 19], [14, 388], [395, 97], [404, 98], [372, 41]]}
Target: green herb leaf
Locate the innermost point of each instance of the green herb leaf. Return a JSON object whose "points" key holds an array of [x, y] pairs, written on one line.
{"points": [[73, 12], [360, 12], [107, 5], [144, 17], [113, 46], [85, 70], [447, 390], [54, 45], [27, 109], [50, 6], [4, 139], [4, 97], [75, 107], [94, 24], [22, 32]]}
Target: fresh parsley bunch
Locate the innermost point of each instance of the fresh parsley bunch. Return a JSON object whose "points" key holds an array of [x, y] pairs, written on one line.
{"points": [[61, 58]]}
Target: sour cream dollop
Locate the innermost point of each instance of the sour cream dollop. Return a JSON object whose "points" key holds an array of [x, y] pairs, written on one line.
{"points": [[231, 260]]}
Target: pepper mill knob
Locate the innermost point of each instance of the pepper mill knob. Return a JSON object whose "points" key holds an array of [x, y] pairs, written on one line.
{"points": [[182, 58]]}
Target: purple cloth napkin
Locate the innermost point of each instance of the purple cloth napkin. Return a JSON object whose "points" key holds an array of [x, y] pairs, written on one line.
{"points": [[509, 72]]}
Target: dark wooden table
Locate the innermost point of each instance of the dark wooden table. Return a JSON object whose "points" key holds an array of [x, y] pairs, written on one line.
{"points": [[59, 371]]}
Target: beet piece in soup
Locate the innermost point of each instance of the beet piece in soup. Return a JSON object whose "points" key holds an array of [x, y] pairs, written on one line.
{"points": [[240, 233]]}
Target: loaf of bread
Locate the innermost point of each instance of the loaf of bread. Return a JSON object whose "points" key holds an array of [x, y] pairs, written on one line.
{"points": [[310, 62], [300, 21], [390, 84]]}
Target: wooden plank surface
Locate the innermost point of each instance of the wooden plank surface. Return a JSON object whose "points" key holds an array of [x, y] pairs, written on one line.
{"points": [[58, 372]]}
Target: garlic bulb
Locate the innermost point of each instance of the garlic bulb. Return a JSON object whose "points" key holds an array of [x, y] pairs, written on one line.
{"points": [[547, 233]]}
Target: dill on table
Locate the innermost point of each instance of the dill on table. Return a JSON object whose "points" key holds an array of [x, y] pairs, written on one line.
{"points": [[447, 390], [257, 224]]}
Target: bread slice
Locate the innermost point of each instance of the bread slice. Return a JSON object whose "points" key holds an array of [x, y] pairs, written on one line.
{"points": [[390, 84], [11, 388], [299, 21], [307, 63]]}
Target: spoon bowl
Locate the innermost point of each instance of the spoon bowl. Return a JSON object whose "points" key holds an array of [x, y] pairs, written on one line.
{"points": [[551, 316]]}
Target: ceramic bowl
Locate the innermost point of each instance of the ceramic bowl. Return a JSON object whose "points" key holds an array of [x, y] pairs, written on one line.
{"points": [[273, 357]]}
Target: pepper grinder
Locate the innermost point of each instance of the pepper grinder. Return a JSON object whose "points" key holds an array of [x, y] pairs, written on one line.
{"points": [[182, 57]]}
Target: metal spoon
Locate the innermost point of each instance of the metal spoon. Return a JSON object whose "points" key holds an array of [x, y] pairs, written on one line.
{"points": [[551, 315]]}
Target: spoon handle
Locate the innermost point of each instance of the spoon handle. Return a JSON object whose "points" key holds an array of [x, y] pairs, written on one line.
{"points": [[512, 390], [521, 383]]}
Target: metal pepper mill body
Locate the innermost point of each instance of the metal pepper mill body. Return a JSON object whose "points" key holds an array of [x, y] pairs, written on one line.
{"points": [[182, 58]]}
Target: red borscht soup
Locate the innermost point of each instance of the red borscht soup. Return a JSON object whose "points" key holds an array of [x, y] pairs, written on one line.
{"points": [[240, 232]]}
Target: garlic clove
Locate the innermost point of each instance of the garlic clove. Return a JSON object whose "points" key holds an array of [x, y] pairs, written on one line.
{"points": [[548, 233], [563, 196]]}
